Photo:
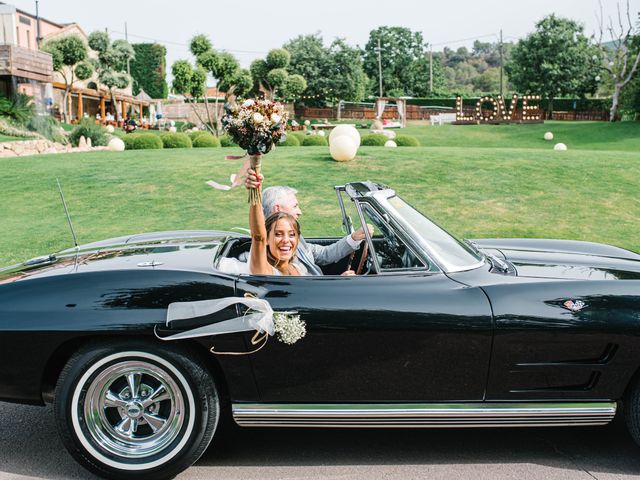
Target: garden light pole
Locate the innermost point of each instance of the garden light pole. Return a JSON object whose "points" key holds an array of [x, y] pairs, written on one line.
{"points": [[430, 70], [380, 67], [501, 66]]}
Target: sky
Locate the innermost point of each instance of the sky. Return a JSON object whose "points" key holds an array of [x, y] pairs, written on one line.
{"points": [[250, 28]]}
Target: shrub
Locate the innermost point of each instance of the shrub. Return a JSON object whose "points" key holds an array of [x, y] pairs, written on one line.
{"points": [[8, 128], [87, 128], [197, 133], [314, 141], [226, 141], [298, 134], [19, 108], [204, 140], [374, 140], [406, 141], [289, 141], [176, 140], [142, 141], [48, 127]]}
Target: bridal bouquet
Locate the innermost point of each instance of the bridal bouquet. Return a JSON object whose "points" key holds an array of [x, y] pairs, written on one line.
{"points": [[255, 125]]}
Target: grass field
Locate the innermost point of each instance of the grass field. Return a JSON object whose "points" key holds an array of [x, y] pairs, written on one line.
{"points": [[486, 181], [7, 138]]}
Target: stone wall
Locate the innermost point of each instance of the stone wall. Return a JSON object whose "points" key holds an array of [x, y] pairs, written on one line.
{"points": [[22, 148]]}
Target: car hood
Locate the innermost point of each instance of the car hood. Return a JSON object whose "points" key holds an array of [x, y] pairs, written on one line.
{"points": [[565, 259], [177, 250]]}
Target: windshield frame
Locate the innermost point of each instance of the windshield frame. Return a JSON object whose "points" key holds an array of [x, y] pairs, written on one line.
{"points": [[383, 197]]}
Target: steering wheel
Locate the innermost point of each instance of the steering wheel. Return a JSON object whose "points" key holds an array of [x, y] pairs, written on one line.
{"points": [[363, 258]]}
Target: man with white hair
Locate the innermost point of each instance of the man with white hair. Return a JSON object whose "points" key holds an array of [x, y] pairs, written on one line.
{"points": [[283, 199]]}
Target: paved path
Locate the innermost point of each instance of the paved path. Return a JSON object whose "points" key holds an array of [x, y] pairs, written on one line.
{"points": [[30, 448]]}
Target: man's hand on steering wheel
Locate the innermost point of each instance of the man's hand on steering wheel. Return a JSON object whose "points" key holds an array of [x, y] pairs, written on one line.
{"points": [[359, 234]]}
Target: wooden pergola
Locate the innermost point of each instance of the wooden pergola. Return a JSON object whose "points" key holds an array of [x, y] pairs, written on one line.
{"points": [[401, 105], [103, 96]]}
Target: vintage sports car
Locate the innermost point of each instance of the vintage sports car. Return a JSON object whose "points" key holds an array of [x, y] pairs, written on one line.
{"points": [[434, 332]]}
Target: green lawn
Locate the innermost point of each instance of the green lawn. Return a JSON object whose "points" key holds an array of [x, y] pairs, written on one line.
{"points": [[7, 138], [623, 136], [493, 181]]}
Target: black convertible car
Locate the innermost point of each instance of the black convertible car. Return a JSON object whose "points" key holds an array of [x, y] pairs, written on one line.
{"points": [[433, 332]]}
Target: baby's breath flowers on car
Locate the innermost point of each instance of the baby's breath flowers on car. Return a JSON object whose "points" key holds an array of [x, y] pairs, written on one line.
{"points": [[289, 327], [255, 126]]}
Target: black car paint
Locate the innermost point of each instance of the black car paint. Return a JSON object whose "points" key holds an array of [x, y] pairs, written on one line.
{"points": [[476, 335]]}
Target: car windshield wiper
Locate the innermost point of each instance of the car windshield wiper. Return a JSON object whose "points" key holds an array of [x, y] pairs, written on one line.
{"points": [[41, 260]]}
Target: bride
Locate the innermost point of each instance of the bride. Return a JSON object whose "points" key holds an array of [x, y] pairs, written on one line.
{"points": [[274, 242]]}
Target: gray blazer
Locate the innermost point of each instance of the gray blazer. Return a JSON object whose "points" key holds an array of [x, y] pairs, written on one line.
{"points": [[312, 255]]}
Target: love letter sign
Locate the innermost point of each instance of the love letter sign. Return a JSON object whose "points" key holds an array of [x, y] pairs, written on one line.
{"points": [[494, 110]]}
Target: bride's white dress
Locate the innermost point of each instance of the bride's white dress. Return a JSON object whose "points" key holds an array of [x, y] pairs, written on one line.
{"points": [[236, 267]]}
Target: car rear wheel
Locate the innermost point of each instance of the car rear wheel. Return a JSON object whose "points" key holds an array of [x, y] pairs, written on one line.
{"points": [[134, 410]]}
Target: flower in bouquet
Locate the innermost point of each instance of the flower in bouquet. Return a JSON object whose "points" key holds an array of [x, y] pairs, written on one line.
{"points": [[288, 327], [255, 125]]}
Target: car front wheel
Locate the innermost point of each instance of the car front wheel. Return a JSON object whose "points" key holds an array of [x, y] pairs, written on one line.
{"points": [[135, 410]]}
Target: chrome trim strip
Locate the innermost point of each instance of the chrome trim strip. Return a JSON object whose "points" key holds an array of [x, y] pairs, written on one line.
{"points": [[424, 415]]}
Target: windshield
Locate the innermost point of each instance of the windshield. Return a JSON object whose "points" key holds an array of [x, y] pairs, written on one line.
{"points": [[450, 253]]}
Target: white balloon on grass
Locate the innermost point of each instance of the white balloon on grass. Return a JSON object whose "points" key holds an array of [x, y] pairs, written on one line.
{"points": [[548, 136], [173, 129], [560, 147], [110, 129], [343, 149], [390, 144], [116, 145], [345, 130]]}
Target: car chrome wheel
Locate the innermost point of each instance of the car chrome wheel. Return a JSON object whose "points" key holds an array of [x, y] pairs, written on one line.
{"points": [[144, 412], [134, 409]]}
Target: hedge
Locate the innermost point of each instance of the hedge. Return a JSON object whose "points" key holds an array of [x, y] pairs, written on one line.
{"points": [[226, 141], [559, 104], [148, 69], [289, 141], [374, 140], [142, 141], [176, 140], [298, 134], [204, 140], [406, 141], [314, 141]]}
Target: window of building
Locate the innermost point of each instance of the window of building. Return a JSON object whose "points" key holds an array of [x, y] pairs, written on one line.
{"points": [[28, 39], [25, 20], [18, 36]]}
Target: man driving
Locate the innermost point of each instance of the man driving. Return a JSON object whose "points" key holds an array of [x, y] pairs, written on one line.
{"points": [[283, 199]]}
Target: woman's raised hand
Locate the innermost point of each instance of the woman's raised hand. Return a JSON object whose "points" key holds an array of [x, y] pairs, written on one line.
{"points": [[253, 180]]}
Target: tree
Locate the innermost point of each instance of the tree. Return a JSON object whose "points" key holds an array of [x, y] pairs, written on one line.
{"points": [[621, 57], [112, 63], [556, 60], [190, 82], [488, 81], [346, 71], [272, 75], [148, 69], [400, 49], [68, 55], [310, 59], [223, 68]]}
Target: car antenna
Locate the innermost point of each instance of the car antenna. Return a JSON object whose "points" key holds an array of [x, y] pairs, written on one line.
{"points": [[66, 211]]}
